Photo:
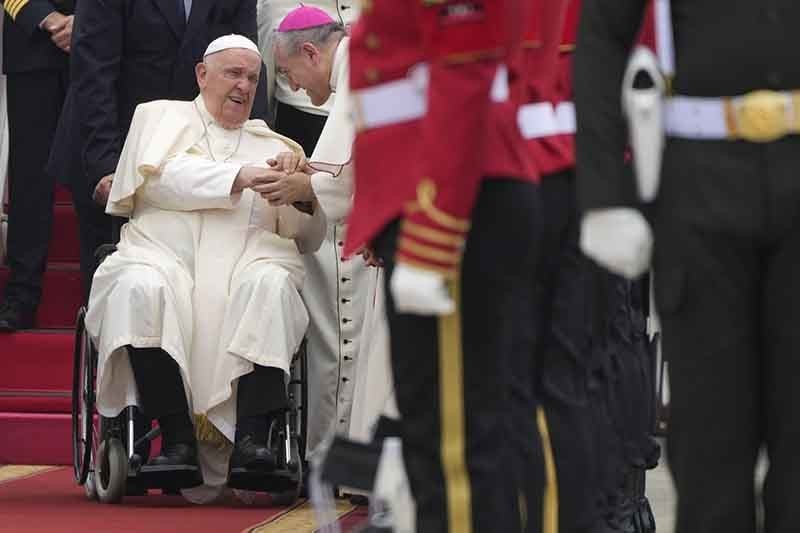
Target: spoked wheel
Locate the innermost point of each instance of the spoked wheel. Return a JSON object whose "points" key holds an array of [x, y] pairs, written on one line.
{"points": [[295, 465], [111, 471], [298, 415], [294, 457], [83, 400]]}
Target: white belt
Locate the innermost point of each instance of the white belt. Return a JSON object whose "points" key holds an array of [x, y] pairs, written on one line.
{"points": [[405, 99], [543, 120], [760, 116]]}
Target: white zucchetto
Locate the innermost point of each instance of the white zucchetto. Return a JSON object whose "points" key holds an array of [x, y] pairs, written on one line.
{"points": [[230, 41]]}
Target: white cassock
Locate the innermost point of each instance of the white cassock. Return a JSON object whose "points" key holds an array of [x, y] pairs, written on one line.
{"points": [[343, 296], [212, 279]]}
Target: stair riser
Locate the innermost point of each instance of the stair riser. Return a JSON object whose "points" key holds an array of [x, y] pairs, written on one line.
{"points": [[40, 362], [61, 298], [22, 403], [64, 241], [35, 439]]}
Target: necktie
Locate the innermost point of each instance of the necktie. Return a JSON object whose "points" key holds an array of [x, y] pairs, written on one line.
{"points": [[184, 9]]}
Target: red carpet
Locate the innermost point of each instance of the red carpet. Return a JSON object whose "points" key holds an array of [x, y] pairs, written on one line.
{"points": [[50, 501]]}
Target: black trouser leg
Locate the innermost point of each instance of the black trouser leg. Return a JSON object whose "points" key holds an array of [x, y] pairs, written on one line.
{"points": [[34, 104], [453, 374], [95, 229], [565, 295], [161, 392], [261, 393], [303, 128], [709, 280], [780, 307]]}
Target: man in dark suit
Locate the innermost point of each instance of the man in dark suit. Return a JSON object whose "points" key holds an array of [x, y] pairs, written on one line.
{"points": [[126, 52], [36, 38]]}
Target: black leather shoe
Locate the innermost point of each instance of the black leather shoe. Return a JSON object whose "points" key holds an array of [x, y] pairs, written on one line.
{"points": [[178, 454], [15, 316], [251, 455]]}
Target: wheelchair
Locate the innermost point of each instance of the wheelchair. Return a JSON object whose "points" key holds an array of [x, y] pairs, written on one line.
{"points": [[109, 455]]}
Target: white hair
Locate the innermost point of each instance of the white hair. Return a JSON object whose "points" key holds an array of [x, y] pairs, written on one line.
{"points": [[290, 42]]}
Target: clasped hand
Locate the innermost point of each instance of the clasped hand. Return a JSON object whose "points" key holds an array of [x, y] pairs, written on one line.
{"points": [[285, 182], [60, 28]]}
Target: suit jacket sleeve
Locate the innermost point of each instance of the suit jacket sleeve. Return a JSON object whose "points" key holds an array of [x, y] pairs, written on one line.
{"points": [[28, 14], [606, 33], [95, 70]]}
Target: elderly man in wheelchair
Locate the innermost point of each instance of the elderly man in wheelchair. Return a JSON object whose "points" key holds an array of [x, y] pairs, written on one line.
{"points": [[197, 315]]}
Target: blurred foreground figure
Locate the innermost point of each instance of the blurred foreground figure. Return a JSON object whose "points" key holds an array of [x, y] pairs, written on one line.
{"points": [[727, 238], [446, 195], [595, 381]]}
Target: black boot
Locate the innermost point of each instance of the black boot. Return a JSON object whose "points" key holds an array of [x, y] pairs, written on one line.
{"points": [[260, 403], [250, 449], [15, 316], [178, 443]]}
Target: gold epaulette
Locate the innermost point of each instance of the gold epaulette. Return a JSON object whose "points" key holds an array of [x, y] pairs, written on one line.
{"points": [[13, 7]]}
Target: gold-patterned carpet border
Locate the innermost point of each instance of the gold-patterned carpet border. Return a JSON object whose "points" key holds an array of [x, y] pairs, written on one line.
{"points": [[297, 519], [9, 473]]}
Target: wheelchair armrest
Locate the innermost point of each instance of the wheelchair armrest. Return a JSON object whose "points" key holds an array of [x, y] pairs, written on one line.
{"points": [[103, 251]]}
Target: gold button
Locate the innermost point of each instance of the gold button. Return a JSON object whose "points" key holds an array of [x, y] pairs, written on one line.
{"points": [[366, 6], [372, 74], [372, 42]]}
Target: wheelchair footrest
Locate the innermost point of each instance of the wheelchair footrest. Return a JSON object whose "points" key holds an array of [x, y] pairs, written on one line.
{"points": [[258, 480], [169, 477]]}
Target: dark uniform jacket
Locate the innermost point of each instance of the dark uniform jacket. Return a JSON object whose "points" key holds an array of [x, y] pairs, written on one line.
{"points": [[25, 47], [752, 47], [126, 52]]}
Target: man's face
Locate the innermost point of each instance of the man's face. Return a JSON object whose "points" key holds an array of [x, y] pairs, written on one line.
{"points": [[306, 69], [228, 81]]}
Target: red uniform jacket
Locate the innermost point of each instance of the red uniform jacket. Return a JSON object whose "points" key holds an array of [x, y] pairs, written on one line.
{"points": [[564, 89], [426, 167], [540, 58]]}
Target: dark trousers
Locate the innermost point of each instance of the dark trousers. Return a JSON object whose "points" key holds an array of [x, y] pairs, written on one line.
{"points": [[161, 391], [727, 228], [96, 229], [463, 381], [34, 105], [303, 128], [567, 294]]}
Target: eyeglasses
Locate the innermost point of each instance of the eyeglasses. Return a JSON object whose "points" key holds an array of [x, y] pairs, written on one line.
{"points": [[330, 168]]}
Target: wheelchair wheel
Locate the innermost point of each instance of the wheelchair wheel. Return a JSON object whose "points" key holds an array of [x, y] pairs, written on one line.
{"points": [[111, 471], [298, 400], [90, 487], [83, 400]]}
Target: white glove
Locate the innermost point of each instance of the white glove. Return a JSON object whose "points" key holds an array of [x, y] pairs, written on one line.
{"points": [[420, 292], [618, 238]]}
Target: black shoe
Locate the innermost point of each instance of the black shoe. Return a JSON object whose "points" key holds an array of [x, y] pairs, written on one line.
{"points": [[251, 455], [178, 454], [15, 316]]}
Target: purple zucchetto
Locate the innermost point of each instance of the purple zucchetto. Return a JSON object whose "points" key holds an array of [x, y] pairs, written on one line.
{"points": [[303, 18]]}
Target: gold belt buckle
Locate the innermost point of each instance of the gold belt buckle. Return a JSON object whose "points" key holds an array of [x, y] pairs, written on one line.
{"points": [[761, 116]]}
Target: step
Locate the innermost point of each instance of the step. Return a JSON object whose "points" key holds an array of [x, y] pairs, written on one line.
{"points": [[64, 244], [37, 371], [64, 240], [61, 296], [35, 439]]}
